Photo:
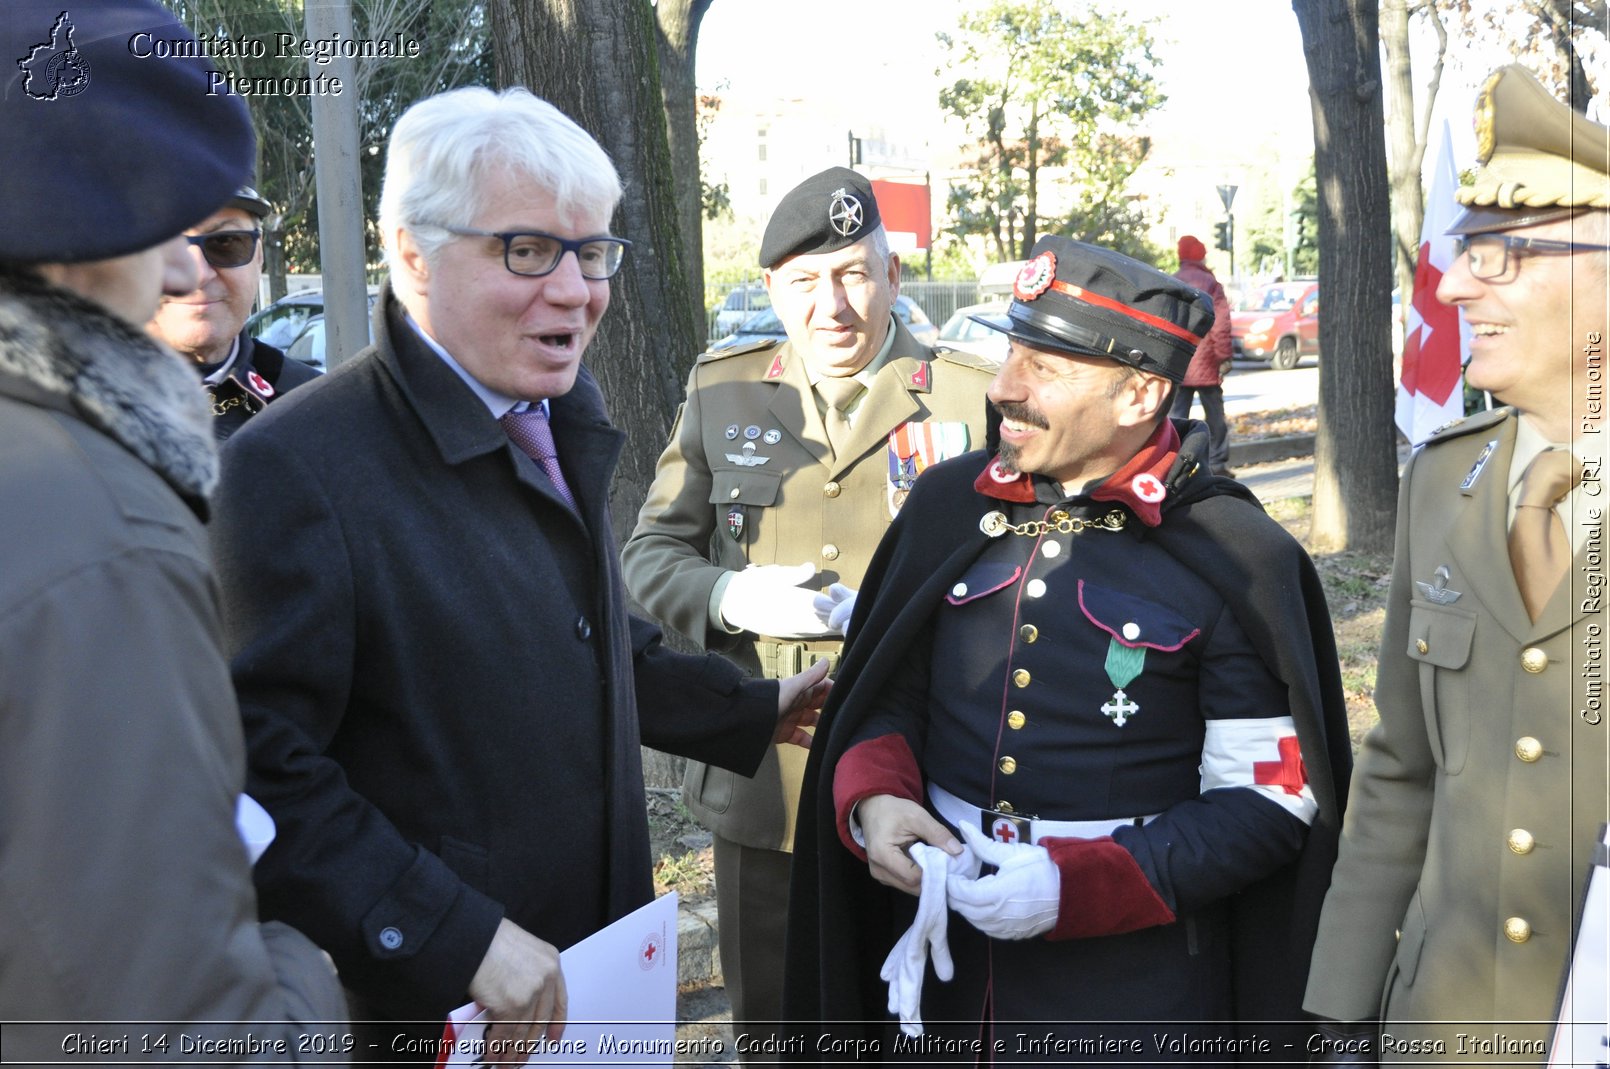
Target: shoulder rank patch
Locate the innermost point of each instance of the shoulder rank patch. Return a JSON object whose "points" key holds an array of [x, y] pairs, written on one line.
{"points": [[776, 369], [965, 359], [1467, 424], [738, 349], [919, 378]]}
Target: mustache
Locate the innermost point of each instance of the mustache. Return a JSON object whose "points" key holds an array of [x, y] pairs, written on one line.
{"points": [[1018, 412]]}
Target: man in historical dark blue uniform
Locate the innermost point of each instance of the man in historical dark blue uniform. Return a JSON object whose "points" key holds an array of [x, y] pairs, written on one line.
{"points": [[1091, 707]]}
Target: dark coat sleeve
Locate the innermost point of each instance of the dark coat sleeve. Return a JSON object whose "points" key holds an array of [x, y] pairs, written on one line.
{"points": [[702, 707]]}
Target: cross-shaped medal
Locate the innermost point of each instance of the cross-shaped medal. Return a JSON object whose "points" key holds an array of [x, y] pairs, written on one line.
{"points": [[1120, 708]]}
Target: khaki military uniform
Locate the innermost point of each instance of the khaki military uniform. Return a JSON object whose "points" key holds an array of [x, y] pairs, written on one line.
{"points": [[1476, 801], [749, 478]]}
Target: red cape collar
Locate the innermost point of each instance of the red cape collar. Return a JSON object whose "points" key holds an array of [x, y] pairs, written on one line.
{"points": [[1138, 484]]}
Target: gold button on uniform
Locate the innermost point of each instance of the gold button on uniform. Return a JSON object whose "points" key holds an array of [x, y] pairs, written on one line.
{"points": [[1534, 660], [1008, 765], [1528, 749], [1516, 930], [1028, 633], [1021, 677], [1015, 720], [1422, 646], [1521, 841], [832, 489], [830, 552]]}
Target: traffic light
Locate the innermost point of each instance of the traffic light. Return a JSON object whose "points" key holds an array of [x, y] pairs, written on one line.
{"points": [[1222, 240]]}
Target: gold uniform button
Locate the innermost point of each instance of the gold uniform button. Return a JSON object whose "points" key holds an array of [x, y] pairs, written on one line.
{"points": [[1008, 765], [1028, 633], [1015, 720], [832, 489], [1422, 646], [830, 552], [1021, 678], [1517, 930], [1528, 749], [1534, 660], [1521, 841]]}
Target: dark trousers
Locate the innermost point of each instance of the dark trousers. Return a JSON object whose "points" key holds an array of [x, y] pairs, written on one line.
{"points": [[1213, 412], [752, 912]]}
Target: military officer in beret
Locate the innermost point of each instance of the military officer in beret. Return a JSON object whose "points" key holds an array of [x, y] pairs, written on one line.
{"points": [[1087, 745], [1479, 796], [787, 464], [207, 325]]}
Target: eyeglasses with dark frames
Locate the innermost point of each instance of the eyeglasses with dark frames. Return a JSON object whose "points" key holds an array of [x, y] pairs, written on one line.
{"points": [[226, 248], [532, 253], [1490, 253]]}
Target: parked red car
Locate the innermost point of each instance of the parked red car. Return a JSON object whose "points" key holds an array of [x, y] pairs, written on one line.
{"points": [[1279, 324]]}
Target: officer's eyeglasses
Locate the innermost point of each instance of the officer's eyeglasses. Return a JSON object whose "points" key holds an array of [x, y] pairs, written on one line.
{"points": [[533, 254], [226, 248], [1490, 254]]}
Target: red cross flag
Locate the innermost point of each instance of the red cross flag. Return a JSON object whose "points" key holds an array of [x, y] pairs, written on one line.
{"points": [[1436, 340]]}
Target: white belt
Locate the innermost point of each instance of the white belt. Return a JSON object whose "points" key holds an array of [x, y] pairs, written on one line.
{"points": [[958, 812]]}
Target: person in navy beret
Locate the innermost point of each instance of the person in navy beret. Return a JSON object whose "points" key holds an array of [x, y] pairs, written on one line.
{"points": [[126, 844], [241, 375], [1079, 782]]}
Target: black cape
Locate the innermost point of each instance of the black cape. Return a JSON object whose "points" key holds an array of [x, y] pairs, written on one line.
{"points": [[840, 920]]}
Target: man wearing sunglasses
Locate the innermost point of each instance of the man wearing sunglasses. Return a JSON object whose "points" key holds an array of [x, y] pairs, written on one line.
{"points": [[1478, 798], [241, 375], [442, 689]]}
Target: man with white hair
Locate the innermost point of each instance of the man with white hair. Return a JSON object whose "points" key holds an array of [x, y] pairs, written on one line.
{"points": [[431, 644]]}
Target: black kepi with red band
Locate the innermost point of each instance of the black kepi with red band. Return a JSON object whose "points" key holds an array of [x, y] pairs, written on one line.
{"points": [[1082, 299]]}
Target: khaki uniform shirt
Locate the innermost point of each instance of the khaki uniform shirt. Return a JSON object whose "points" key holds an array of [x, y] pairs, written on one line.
{"points": [[749, 478], [1477, 799]]}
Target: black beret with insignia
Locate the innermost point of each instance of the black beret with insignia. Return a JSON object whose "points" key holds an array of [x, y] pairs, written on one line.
{"points": [[111, 147], [824, 213], [1076, 298]]}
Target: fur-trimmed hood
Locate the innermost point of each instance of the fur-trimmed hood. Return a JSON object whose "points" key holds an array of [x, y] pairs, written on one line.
{"points": [[113, 376]]}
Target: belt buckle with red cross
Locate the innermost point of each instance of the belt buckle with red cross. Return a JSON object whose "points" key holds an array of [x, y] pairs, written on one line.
{"points": [[1006, 827]]}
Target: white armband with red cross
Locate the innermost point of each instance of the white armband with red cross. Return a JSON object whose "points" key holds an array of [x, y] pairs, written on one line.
{"points": [[1261, 755]]}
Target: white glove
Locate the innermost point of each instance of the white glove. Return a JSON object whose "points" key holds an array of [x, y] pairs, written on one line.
{"points": [[768, 600], [1018, 902], [903, 969], [835, 604]]}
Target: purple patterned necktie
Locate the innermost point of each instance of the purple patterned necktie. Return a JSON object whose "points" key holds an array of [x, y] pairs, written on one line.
{"points": [[530, 431]]}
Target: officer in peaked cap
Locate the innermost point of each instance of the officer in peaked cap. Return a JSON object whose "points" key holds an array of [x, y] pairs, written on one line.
{"points": [[1090, 707], [789, 461], [1480, 794], [125, 881], [241, 374]]}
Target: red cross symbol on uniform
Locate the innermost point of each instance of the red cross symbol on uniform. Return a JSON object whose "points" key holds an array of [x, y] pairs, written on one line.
{"points": [[1003, 831], [1287, 773]]}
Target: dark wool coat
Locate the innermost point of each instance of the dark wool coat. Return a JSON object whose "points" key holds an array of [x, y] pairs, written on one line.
{"points": [[242, 393], [842, 923], [438, 675]]}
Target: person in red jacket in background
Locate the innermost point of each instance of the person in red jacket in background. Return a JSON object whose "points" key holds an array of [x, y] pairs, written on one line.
{"points": [[1205, 376]]}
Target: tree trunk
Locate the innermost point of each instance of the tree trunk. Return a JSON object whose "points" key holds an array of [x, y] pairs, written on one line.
{"points": [[1408, 133], [678, 38], [597, 61], [1355, 462], [1403, 161]]}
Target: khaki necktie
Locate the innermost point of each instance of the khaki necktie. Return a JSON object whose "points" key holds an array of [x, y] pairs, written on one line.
{"points": [[1539, 551], [839, 395]]}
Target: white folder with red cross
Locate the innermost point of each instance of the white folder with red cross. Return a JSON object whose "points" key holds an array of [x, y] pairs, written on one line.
{"points": [[621, 981]]}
